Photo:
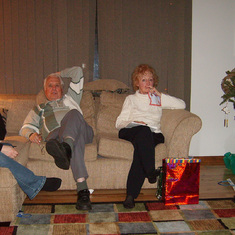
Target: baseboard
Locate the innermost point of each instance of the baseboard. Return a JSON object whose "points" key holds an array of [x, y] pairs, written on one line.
{"points": [[211, 160]]}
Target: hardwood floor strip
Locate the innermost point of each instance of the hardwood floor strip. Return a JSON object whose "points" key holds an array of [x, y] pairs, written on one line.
{"points": [[211, 160]]}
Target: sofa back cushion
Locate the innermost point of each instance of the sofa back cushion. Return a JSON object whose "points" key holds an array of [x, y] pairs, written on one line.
{"points": [[110, 108], [88, 108], [18, 107]]}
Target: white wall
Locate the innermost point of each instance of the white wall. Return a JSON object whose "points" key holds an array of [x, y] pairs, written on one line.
{"points": [[213, 53]]}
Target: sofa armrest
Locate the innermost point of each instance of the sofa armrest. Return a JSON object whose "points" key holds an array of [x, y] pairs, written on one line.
{"points": [[178, 126]]}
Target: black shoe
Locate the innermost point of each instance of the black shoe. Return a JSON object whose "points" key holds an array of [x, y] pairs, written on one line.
{"points": [[129, 202], [152, 178], [51, 184], [83, 202], [61, 152]]}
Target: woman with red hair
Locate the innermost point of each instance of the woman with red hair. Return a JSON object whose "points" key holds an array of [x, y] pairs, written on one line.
{"points": [[139, 123]]}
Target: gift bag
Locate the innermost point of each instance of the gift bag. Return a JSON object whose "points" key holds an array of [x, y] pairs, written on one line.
{"points": [[181, 181], [159, 185]]}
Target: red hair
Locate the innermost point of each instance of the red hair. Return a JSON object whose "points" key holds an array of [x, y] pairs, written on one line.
{"points": [[140, 71]]}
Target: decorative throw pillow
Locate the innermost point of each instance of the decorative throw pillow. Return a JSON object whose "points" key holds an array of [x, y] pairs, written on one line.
{"points": [[112, 99], [111, 85], [3, 113]]}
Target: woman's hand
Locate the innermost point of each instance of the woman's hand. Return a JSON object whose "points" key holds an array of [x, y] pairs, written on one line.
{"points": [[35, 138], [9, 151], [153, 90]]}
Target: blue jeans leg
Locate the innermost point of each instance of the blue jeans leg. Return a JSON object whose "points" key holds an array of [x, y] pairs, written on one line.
{"points": [[27, 180]]}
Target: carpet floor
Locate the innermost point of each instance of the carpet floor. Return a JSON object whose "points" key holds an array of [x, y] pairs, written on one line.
{"points": [[207, 217]]}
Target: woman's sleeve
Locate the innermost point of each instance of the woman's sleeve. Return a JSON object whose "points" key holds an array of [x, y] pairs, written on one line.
{"points": [[124, 117], [171, 102]]}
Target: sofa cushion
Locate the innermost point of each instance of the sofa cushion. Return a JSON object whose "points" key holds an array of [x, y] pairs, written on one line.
{"points": [[115, 172], [88, 108], [22, 147], [106, 119], [18, 106], [49, 169], [17, 114], [113, 147], [109, 109], [87, 105]]}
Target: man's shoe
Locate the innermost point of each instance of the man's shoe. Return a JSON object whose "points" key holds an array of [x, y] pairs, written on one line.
{"points": [[152, 178], [51, 184], [83, 202], [129, 202], [61, 152]]}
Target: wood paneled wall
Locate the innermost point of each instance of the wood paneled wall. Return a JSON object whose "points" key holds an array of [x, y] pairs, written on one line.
{"points": [[38, 37]]}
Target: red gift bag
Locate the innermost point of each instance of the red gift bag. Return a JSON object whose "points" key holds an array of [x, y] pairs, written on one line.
{"points": [[181, 181]]}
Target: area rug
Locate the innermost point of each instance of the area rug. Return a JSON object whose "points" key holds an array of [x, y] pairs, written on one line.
{"points": [[208, 217]]}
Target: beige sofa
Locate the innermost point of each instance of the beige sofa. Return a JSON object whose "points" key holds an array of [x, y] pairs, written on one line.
{"points": [[108, 158]]}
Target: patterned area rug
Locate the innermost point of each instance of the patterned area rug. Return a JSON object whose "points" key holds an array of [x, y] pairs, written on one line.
{"points": [[207, 217]]}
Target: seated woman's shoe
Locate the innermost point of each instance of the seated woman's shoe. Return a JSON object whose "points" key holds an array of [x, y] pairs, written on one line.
{"points": [[152, 178], [129, 202], [51, 184]]}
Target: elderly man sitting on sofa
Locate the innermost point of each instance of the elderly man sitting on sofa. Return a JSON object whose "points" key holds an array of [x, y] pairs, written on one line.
{"points": [[59, 121]]}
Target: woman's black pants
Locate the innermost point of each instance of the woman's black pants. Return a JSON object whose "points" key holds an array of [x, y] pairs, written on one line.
{"points": [[144, 142]]}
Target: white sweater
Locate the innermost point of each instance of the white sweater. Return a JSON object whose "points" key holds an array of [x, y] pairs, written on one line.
{"points": [[137, 107]]}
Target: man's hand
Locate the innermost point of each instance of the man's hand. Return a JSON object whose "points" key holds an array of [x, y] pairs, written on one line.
{"points": [[9, 151], [35, 138]]}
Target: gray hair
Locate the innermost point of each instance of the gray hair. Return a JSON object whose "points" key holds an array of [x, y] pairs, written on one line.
{"points": [[55, 75]]}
